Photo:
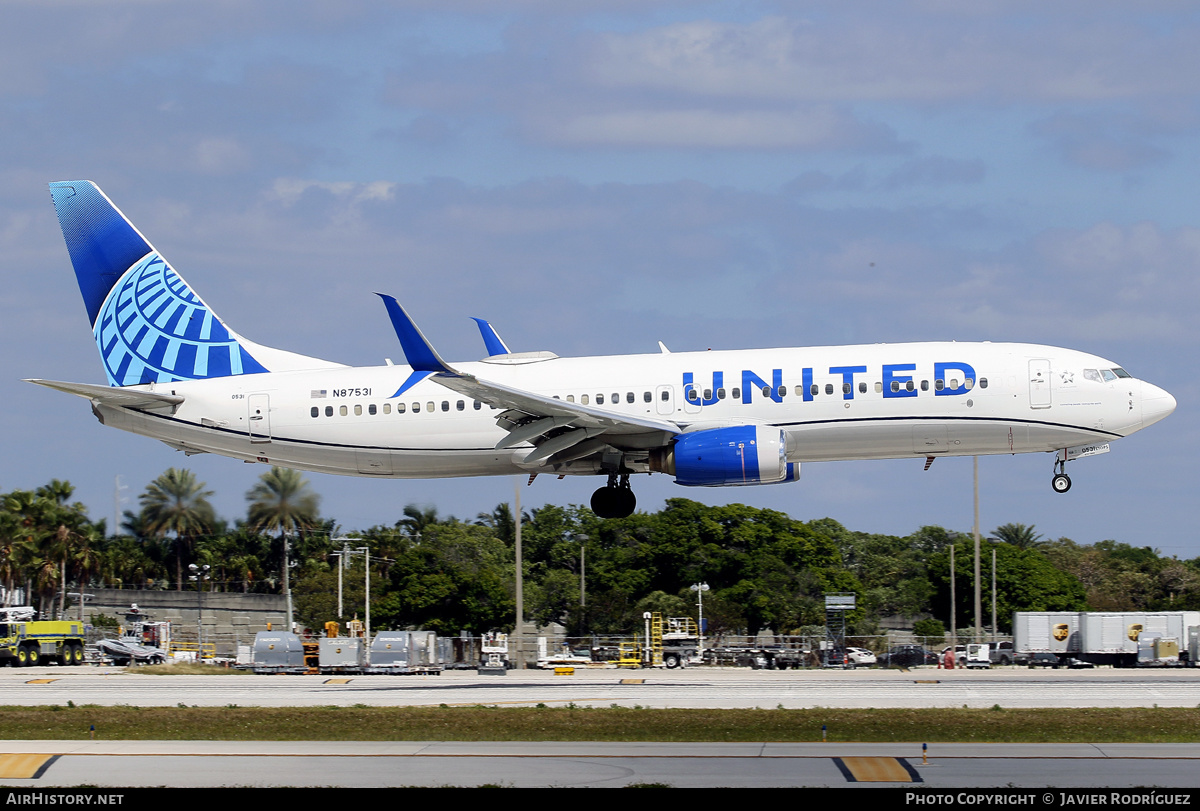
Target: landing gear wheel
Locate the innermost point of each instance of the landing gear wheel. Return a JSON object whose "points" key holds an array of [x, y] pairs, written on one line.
{"points": [[615, 500], [1061, 482]]}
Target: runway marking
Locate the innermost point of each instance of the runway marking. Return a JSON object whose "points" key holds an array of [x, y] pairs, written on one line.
{"points": [[337, 681], [632, 681], [877, 770], [41, 681], [24, 767]]}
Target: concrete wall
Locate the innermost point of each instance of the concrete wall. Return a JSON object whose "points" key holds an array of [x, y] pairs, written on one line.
{"points": [[228, 619]]}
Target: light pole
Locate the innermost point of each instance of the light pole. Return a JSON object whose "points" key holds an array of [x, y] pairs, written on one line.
{"points": [[198, 576], [582, 540], [700, 588]]}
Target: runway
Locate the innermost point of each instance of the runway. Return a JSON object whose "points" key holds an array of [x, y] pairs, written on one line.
{"points": [[686, 688], [587, 764], [183, 764]]}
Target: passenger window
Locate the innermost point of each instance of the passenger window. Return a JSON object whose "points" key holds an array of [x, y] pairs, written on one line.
{"points": [[387, 408], [328, 411], [399, 408], [782, 391], [342, 411], [445, 405], [909, 386], [924, 385], [616, 398], [666, 394], [371, 409], [629, 397], [737, 394], [968, 384], [315, 411], [847, 388], [814, 389], [429, 406], [954, 384], [693, 396], [983, 382], [878, 387], [416, 408], [599, 399], [478, 405], [829, 388], [862, 387], [939, 384], [708, 394], [583, 399], [647, 397], [460, 405], [358, 410], [570, 398], [799, 391], [720, 394], [895, 385]]}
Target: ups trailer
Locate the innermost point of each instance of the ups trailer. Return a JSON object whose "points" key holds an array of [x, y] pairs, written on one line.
{"points": [[25, 642], [1105, 637]]}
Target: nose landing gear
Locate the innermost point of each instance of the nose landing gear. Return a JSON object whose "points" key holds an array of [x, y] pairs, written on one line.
{"points": [[1061, 481], [616, 499]]}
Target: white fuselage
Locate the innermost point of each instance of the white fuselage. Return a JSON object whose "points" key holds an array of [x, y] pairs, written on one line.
{"points": [[882, 401]]}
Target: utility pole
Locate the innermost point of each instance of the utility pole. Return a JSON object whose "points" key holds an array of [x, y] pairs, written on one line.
{"points": [[978, 584], [518, 662]]}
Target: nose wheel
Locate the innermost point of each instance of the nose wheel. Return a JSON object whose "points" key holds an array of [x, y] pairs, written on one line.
{"points": [[1061, 481], [614, 500]]}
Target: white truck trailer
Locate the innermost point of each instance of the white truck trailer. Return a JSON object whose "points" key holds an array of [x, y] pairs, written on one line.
{"points": [[1104, 637]]}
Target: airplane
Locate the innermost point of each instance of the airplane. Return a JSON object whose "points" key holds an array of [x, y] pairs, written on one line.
{"points": [[176, 372]]}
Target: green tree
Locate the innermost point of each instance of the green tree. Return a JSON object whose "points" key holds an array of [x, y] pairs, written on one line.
{"points": [[176, 506], [1018, 535]]}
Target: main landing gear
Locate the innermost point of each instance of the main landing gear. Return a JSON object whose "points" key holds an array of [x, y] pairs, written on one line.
{"points": [[616, 499], [1061, 481]]}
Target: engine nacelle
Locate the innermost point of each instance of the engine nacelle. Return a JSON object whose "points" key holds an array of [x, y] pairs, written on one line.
{"points": [[719, 457]]}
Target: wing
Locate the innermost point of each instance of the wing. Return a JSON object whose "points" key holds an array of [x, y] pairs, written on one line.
{"points": [[562, 431]]}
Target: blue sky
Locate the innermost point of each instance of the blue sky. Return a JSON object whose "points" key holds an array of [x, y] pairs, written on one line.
{"points": [[597, 176]]}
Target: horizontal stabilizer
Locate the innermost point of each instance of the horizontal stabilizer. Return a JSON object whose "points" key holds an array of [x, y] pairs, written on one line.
{"points": [[140, 399]]}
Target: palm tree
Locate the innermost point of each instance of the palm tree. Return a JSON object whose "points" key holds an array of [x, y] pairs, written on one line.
{"points": [[418, 519], [1018, 535], [177, 504], [282, 501]]}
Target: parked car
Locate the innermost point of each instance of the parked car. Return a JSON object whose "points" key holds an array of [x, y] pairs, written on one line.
{"points": [[1043, 660], [908, 656], [1001, 653], [860, 656]]}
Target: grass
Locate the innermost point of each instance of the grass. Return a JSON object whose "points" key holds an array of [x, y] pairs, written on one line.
{"points": [[994, 725], [187, 669]]}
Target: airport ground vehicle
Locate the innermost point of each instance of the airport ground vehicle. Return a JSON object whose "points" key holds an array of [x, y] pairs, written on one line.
{"points": [[26, 642]]}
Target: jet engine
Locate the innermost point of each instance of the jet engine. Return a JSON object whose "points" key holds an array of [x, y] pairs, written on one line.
{"points": [[718, 457]]}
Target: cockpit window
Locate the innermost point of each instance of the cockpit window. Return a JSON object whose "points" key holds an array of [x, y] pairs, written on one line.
{"points": [[1091, 374], [1108, 374], [1119, 372]]}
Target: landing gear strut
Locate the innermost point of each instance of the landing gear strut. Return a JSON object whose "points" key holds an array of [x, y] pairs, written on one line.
{"points": [[1061, 481], [616, 499]]}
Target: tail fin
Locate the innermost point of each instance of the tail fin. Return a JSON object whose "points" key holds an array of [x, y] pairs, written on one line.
{"points": [[149, 325]]}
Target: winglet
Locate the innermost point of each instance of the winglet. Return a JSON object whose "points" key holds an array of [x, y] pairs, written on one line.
{"points": [[491, 339], [421, 355]]}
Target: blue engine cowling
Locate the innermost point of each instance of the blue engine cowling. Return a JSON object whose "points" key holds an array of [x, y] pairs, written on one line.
{"points": [[718, 457]]}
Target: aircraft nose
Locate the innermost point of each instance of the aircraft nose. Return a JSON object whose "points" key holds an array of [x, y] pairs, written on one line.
{"points": [[1156, 404]]}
